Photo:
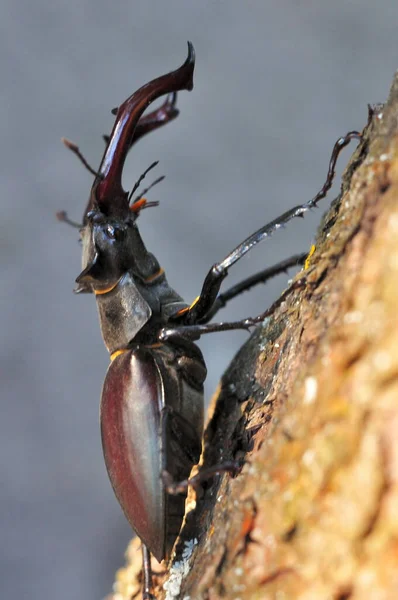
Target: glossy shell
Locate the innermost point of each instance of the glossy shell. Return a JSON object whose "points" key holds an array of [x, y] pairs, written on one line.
{"points": [[141, 436]]}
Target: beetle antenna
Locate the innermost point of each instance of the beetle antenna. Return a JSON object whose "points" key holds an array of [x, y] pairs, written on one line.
{"points": [[62, 216], [75, 149], [151, 204], [137, 183], [138, 198]]}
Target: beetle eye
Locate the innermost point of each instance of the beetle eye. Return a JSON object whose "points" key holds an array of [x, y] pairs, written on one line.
{"points": [[110, 231], [114, 233]]}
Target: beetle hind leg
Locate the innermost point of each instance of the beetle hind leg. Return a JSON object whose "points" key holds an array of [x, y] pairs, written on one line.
{"points": [[180, 487], [183, 452], [146, 574]]}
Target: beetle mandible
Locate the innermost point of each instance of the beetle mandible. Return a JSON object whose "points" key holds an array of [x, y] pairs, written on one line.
{"points": [[152, 398]]}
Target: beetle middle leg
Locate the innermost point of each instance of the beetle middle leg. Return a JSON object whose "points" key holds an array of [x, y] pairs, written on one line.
{"points": [[195, 331], [248, 283]]}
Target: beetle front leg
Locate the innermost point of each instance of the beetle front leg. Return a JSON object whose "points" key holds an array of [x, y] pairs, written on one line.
{"points": [[203, 305]]}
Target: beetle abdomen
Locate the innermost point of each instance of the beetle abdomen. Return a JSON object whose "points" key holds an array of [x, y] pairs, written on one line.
{"points": [[143, 433]]}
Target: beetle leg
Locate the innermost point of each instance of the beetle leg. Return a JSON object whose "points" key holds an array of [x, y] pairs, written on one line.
{"points": [[260, 277], [182, 435], [180, 487], [199, 309], [146, 574], [195, 331]]}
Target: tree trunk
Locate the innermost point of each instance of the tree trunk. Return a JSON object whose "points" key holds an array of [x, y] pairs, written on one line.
{"points": [[310, 403]]}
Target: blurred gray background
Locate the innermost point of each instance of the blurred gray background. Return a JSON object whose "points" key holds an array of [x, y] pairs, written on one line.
{"points": [[275, 84]]}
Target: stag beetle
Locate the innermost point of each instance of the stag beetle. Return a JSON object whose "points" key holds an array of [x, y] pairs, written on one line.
{"points": [[152, 398]]}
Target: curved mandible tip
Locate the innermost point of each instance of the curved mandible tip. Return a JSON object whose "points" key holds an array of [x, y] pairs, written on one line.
{"points": [[190, 63], [107, 191]]}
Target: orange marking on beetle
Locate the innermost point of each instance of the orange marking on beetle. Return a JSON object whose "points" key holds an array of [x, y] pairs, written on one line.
{"points": [[139, 205], [155, 276], [184, 310], [118, 353], [194, 302], [106, 290], [308, 259]]}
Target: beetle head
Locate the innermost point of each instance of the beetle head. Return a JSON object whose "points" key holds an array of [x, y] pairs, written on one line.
{"points": [[108, 251], [109, 233]]}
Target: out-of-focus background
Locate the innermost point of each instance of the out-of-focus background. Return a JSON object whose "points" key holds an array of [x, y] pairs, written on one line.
{"points": [[275, 84]]}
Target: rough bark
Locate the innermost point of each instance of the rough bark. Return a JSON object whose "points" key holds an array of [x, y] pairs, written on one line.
{"points": [[311, 404]]}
